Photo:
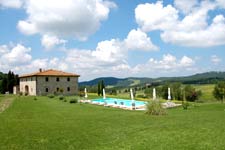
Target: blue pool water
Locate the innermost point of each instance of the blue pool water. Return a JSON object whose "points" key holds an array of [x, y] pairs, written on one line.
{"points": [[125, 102]]}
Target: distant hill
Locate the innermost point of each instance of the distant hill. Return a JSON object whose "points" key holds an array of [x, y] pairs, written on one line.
{"points": [[201, 78], [107, 80]]}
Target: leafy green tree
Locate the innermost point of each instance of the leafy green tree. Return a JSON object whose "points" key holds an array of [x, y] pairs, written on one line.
{"points": [[8, 81], [148, 92], [219, 91], [190, 93], [3, 85], [176, 91], [102, 87], [113, 92], [99, 88], [164, 91]]}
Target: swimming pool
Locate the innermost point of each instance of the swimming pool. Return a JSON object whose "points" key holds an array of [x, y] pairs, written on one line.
{"points": [[120, 102]]}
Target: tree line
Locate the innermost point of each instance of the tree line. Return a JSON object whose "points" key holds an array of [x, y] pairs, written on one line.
{"points": [[7, 81], [178, 91], [219, 91]]}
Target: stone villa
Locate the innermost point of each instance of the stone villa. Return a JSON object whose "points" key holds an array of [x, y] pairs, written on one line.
{"points": [[50, 81]]}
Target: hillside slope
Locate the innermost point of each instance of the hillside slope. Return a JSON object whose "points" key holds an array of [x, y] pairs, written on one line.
{"points": [[202, 78]]}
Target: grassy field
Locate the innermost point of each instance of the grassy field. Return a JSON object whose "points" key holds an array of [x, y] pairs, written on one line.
{"points": [[207, 92], [1, 97], [46, 123]]}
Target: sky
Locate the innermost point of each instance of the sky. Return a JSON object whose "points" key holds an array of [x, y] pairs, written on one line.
{"points": [[113, 38]]}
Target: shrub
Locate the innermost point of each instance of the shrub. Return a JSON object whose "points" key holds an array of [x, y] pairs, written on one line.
{"points": [[219, 91], [142, 96], [35, 98], [61, 97], [73, 100], [191, 94], [20, 93], [155, 108], [81, 93], [185, 105], [26, 94], [200, 101], [51, 96], [65, 100]]}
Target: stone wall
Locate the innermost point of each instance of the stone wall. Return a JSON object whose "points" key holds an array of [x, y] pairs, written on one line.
{"points": [[39, 85], [65, 85]]}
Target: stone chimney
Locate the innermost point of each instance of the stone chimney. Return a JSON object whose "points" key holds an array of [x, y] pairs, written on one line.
{"points": [[40, 69]]}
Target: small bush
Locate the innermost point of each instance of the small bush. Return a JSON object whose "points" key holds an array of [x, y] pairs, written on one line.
{"points": [[51, 96], [26, 94], [65, 100], [142, 96], [81, 94], [200, 101], [61, 97], [155, 108], [35, 98], [73, 100], [185, 105], [20, 93]]}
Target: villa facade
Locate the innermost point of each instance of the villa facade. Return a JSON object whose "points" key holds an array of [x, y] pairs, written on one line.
{"points": [[50, 81]]}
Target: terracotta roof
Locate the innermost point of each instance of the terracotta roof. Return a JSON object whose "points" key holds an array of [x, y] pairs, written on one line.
{"points": [[50, 72]]}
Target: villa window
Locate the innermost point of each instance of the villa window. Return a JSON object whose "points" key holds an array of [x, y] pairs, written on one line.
{"points": [[46, 90], [46, 79], [68, 89], [57, 79], [68, 79]]}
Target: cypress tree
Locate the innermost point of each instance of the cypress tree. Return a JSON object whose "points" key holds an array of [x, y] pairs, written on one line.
{"points": [[102, 86], [99, 89]]}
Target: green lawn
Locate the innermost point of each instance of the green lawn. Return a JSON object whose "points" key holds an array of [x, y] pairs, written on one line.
{"points": [[207, 92], [1, 97], [53, 124]]}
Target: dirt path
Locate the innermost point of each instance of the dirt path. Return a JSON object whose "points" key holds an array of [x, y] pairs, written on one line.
{"points": [[5, 103]]}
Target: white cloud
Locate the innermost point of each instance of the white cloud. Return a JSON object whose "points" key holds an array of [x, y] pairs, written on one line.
{"points": [[212, 36], [192, 30], [36, 64], [11, 3], [186, 61], [94, 63], [221, 3], [71, 18], [50, 42], [26, 27], [215, 59], [185, 6], [138, 40], [16, 56], [3, 49], [155, 17], [90, 67], [167, 65], [110, 51]]}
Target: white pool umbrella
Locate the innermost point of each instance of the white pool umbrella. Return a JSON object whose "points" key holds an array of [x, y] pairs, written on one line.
{"points": [[103, 91], [154, 94], [85, 93], [169, 96]]}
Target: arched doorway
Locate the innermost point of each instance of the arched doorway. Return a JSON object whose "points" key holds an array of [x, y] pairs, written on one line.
{"points": [[26, 90]]}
